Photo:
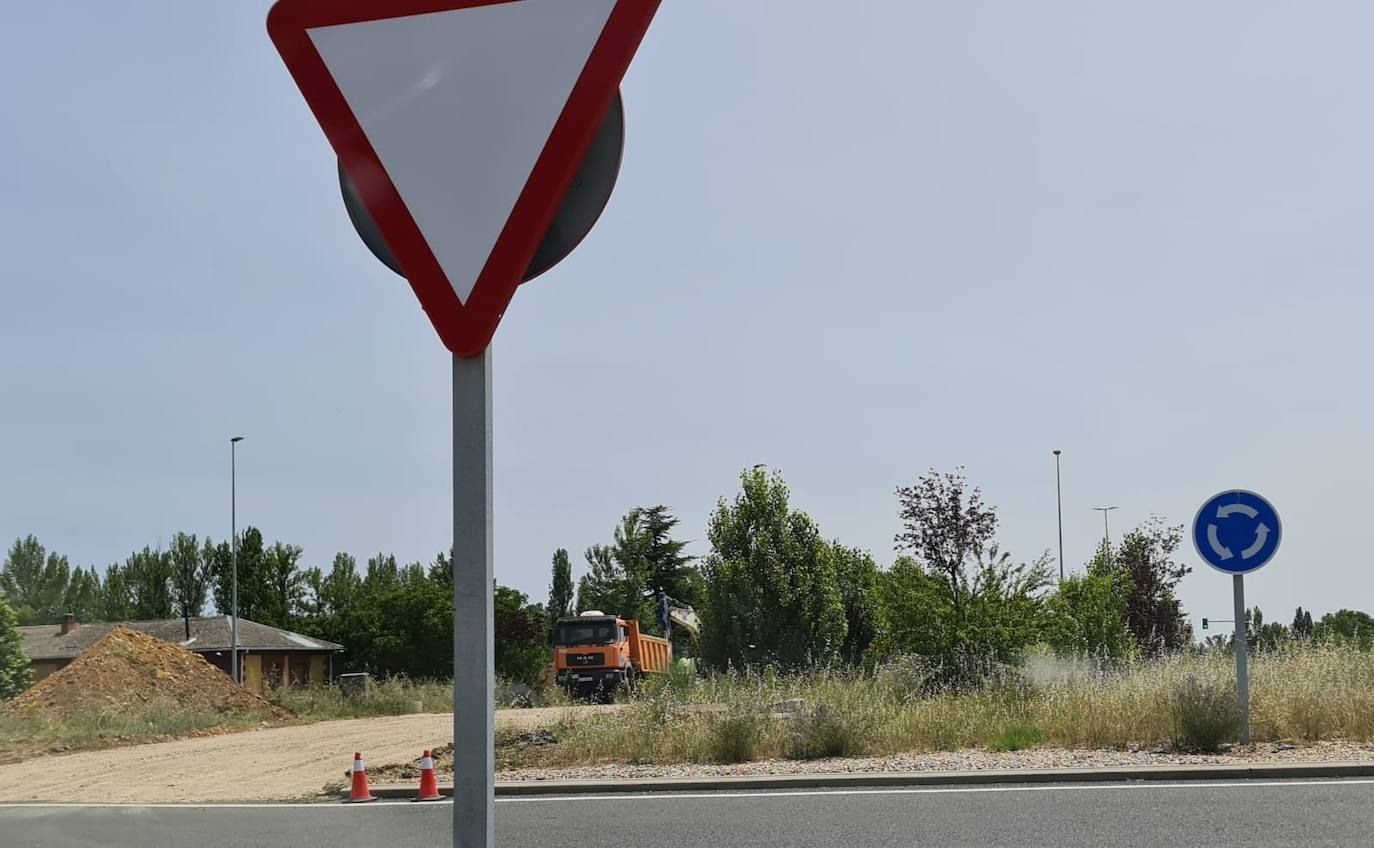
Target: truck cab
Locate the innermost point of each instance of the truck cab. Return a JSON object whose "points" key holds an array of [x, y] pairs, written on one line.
{"points": [[596, 653]]}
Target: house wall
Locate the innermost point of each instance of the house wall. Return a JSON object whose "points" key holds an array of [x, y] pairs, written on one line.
{"points": [[272, 668], [276, 668], [42, 668], [319, 669], [291, 668], [252, 672]]}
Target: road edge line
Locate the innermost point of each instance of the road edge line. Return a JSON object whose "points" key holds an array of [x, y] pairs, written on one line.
{"points": [[1108, 774]]}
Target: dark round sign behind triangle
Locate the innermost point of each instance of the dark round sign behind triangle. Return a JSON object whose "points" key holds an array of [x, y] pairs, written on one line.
{"points": [[577, 214]]}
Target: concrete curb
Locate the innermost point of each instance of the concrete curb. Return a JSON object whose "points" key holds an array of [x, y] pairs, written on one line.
{"points": [[1113, 774]]}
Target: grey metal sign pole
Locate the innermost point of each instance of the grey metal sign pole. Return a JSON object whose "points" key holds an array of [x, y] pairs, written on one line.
{"points": [[474, 661], [1237, 531], [1242, 666]]}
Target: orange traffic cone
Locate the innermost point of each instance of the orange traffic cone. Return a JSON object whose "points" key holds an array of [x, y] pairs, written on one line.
{"points": [[429, 787], [359, 792]]}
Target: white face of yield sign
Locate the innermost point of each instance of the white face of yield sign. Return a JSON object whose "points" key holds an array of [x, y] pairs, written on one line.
{"points": [[461, 123]]}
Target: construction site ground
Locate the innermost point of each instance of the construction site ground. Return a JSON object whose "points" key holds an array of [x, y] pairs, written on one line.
{"points": [[274, 764], [311, 762]]}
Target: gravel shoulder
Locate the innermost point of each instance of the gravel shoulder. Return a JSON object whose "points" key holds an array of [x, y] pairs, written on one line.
{"points": [[274, 764], [970, 760]]}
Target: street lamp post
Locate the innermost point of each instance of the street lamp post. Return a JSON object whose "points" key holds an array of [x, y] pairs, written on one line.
{"points": [[1059, 505], [234, 546], [1106, 534]]}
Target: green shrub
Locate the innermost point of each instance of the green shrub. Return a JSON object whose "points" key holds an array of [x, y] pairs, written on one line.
{"points": [[905, 677], [1205, 716], [388, 696], [827, 732], [680, 676], [25, 732], [736, 738], [1017, 737]]}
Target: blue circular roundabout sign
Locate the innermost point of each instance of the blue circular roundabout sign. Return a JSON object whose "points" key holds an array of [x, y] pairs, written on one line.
{"points": [[1237, 531]]}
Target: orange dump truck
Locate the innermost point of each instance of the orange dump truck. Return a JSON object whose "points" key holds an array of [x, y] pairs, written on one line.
{"points": [[596, 654]]}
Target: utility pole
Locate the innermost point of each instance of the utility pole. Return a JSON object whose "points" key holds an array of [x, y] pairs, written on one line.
{"points": [[1106, 533], [234, 546], [1059, 504]]}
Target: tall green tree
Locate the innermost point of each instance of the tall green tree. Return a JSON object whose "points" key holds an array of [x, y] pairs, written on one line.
{"points": [[1087, 615], [284, 591], [116, 596], [618, 573], [857, 575], [84, 593], [35, 581], [15, 673], [149, 574], [608, 586], [561, 591], [1001, 616], [310, 607], [403, 627], [772, 592], [1346, 626], [914, 611], [642, 562], [1302, 626], [382, 573], [190, 578], [340, 587], [255, 585], [441, 570], [670, 569]]}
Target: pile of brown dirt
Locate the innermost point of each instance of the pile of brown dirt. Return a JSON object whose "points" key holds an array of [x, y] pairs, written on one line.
{"points": [[128, 670]]}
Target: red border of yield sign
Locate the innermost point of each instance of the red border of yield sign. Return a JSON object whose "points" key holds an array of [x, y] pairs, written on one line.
{"points": [[465, 329]]}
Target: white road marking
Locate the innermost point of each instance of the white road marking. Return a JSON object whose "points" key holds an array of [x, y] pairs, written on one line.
{"points": [[314, 805], [728, 795], [935, 790]]}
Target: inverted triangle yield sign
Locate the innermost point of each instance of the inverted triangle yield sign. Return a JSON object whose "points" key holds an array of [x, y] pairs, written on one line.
{"points": [[461, 122]]}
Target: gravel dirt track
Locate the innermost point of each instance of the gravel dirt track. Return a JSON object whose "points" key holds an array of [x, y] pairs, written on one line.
{"points": [[275, 764]]}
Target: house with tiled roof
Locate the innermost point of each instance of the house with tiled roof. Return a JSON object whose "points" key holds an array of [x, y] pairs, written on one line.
{"points": [[269, 656]]}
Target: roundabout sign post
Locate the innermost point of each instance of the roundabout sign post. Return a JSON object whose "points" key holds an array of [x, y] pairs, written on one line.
{"points": [[1237, 531]]}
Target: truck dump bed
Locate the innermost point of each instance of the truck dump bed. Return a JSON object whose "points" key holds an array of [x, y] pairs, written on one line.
{"points": [[650, 654]]}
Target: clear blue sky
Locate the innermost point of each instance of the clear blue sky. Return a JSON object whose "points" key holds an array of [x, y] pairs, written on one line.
{"points": [[851, 241]]}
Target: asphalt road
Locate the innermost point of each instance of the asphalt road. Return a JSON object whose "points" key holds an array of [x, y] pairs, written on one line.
{"points": [[1254, 814]]}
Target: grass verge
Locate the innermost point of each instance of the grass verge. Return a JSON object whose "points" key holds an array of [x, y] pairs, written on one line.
{"points": [[25, 733], [386, 697], [1300, 694]]}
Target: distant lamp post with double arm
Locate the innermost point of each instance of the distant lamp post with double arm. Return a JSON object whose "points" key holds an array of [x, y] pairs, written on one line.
{"points": [[234, 546], [1106, 534]]}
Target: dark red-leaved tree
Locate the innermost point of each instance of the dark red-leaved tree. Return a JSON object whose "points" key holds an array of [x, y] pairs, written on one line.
{"points": [[947, 526], [1153, 613]]}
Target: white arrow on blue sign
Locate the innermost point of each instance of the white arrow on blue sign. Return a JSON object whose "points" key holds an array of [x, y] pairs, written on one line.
{"points": [[1237, 531]]}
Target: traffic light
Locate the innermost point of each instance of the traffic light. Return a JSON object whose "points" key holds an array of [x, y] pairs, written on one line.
{"points": [[1204, 624]]}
